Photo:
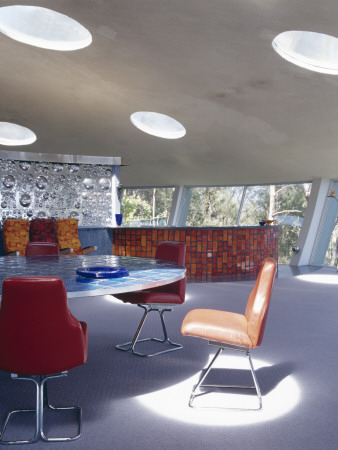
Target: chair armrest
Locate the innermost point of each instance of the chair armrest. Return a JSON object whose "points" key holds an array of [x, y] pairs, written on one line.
{"points": [[90, 249], [66, 251], [15, 253]]}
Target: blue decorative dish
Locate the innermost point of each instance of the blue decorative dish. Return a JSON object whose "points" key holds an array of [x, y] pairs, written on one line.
{"points": [[102, 272]]}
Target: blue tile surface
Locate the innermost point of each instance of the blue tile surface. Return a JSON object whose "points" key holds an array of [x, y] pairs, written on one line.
{"points": [[143, 272]]}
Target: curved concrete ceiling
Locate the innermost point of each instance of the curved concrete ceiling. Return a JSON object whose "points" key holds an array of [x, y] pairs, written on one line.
{"points": [[251, 117]]}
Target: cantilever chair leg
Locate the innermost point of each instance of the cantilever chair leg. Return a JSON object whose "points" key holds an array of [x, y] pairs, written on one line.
{"points": [[41, 403], [198, 388], [131, 345]]}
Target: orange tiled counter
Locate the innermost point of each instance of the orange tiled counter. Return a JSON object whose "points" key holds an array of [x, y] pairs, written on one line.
{"points": [[234, 252]]}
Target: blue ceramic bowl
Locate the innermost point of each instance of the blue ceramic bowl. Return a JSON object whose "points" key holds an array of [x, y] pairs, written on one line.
{"points": [[262, 223], [102, 272]]}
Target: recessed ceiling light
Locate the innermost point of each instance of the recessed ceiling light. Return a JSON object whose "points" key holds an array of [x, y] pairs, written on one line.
{"points": [[313, 51], [157, 124], [43, 27], [12, 134]]}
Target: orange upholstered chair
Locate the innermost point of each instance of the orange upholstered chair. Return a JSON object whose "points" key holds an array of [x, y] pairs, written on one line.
{"points": [[67, 236], [229, 330], [15, 236]]}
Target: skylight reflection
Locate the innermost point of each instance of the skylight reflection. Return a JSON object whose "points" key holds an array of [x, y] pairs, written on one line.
{"points": [[42, 27], [13, 134], [310, 50], [157, 124]]}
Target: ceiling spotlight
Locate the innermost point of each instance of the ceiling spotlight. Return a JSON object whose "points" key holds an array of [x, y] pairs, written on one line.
{"points": [[313, 51], [157, 124], [12, 134], [43, 28]]}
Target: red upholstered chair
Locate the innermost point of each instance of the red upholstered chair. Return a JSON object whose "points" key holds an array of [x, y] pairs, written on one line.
{"points": [[67, 236], [159, 299], [42, 249], [229, 330], [15, 236], [39, 340]]}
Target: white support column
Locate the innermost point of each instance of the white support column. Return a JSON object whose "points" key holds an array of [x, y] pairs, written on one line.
{"points": [[116, 204], [180, 206], [308, 233]]}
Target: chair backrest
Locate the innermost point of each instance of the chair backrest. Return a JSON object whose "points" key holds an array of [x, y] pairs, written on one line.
{"points": [[42, 249], [38, 334], [42, 230], [173, 252], [15, 235], [258, 303], [67, 235]]}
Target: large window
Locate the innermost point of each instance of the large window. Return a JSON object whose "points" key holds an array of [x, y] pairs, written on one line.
{"points": [[214, 206], [330, 257], [146, 206], [225, 206]]}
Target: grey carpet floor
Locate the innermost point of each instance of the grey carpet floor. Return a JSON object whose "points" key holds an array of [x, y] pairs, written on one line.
{"points": [[133, 403]]}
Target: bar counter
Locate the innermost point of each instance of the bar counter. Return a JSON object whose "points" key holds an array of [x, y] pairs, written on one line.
{"points": [[233, 253]]}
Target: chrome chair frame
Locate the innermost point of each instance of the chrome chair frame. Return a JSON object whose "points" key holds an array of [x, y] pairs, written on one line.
{"points": [[131, 345], [200, 384], [42, 402]]}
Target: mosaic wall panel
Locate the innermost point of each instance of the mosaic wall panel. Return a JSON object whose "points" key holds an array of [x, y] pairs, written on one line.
{"points": [[45, 189], [233, 253]]}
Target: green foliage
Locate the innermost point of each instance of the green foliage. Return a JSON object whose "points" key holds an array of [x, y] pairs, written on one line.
{"points": [[255, 206], [133, 207], [143, 205], [214, 206]]}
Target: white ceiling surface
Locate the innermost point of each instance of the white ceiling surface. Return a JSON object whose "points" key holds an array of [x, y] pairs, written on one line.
{"points": [[251, 117]]}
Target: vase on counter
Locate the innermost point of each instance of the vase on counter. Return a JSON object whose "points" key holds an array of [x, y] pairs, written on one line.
{"points": [[118, 219]]}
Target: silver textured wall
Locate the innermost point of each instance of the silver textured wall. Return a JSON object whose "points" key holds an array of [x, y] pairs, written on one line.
{"points": [[32, 189]]}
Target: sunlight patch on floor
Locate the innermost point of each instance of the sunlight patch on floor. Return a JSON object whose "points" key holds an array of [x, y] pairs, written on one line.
{"points": [[319, 278], [172, 402]]}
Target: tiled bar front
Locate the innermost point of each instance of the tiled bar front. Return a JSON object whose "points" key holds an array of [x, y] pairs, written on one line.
{"points": [[235, 252]]}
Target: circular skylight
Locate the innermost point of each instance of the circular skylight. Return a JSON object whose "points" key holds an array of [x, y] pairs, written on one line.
{"points": [[12, 134], [313, 51], [158, 124], [43, 27]]}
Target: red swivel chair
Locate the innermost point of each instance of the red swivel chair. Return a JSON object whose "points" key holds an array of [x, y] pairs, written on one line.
{"points": [[43, 230], [229, 330], [42, 249], [159, 299], [39, 340]]}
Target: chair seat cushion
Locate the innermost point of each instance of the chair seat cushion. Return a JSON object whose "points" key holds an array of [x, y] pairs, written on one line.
{"points": [[220, 326], [150, 296]]}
